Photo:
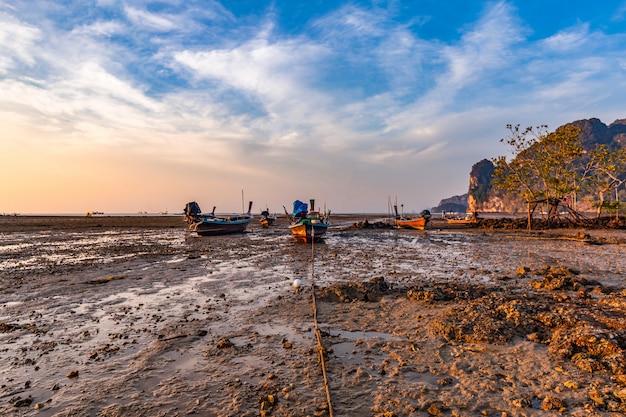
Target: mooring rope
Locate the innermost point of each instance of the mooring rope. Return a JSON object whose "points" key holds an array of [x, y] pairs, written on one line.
{"points": [[318, 333]]}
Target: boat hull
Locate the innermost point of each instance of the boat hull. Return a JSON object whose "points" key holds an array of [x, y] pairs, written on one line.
{"points": [[461, 221], [217, 227], [417, 224], [308, 230], [267, 221]]}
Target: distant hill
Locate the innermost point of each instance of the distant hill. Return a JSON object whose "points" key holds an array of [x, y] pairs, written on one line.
{"points": [[595, 132], [456, 204], [482, 196]]}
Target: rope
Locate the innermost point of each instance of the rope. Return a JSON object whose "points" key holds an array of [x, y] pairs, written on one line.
{"points": [[318, 333]]}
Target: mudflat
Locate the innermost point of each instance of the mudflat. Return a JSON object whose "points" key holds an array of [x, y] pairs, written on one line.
{"points": [[135, 316]]}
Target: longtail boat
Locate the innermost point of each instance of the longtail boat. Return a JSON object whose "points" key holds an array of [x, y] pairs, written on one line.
{"points": [[267, 219], [215, 225], [465, 220], [408, 222], [307, 224]]}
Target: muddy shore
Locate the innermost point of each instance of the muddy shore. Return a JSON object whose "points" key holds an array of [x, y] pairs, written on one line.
{"points": [[133, 316]]}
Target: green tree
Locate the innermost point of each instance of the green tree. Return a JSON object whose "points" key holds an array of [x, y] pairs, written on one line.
{"points": [[542, 168]]}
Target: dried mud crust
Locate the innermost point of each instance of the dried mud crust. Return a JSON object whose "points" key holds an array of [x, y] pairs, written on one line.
{"points": [[575, 326]]}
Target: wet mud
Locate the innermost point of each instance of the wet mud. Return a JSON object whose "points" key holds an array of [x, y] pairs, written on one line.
{"points": [[126, 318]]}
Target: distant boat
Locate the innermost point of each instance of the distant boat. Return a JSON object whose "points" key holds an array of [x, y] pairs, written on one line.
{"points": [[467, 219], [408, 222], [215, 225], [267, 219], [307, 224]]}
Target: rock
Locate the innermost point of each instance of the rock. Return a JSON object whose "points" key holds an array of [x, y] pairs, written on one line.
{"points": [[523, 402], [224, 343], [552, 403], [445, 381], [597, 398], [21, 402]]}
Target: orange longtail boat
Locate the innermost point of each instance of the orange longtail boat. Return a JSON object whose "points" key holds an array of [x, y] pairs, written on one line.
{"points": [[307, 224], [408, 222]]}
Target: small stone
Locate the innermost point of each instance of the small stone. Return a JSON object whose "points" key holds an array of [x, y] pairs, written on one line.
{"points": [[571, 384], [22, 402], [596, 397], [621, 394], [445, 381], [552, 403], [224, 343], [72, 374], [434, 410], [521, 402]]}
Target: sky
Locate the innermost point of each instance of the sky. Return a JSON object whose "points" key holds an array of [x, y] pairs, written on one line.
{"points": [[126, 106]]}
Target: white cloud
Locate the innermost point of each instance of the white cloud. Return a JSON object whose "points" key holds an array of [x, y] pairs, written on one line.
{"points": [[271, 70], [101, 28], [153, 21], [351, 22], [16, 42], [568, 40], [485, 48]]}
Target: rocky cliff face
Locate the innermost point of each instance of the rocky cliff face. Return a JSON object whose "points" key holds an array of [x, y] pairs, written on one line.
{"points": [[483, 197], [618, 130], [595, 132]]}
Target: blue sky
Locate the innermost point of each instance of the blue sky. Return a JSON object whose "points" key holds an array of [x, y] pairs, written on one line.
{"points": [[137, 105]]}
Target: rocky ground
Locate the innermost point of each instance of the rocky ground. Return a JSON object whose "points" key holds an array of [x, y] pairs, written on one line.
{"points": [[133, 316]]}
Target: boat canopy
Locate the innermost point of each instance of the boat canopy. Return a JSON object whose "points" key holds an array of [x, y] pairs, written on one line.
{"points": [[299, 207]]}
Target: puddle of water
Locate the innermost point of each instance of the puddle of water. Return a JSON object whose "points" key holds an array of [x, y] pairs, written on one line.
{"points": [[249, 362], [291, 333]]}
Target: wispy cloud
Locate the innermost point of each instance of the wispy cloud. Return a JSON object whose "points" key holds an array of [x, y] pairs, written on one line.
{"points": [[101, 28], [153, 21], [568, 39], [16, 40]]}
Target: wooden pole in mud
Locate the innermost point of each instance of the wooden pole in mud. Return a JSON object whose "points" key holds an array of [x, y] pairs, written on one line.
{"points": [[318, 333]]}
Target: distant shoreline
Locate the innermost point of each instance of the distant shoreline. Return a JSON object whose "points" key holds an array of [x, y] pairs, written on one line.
{"points": [[489, 221]]}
